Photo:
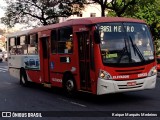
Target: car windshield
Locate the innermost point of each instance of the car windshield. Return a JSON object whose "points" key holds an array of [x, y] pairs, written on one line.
{"points": [[125, 43]]}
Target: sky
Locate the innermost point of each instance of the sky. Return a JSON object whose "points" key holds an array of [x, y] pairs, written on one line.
{"points": [[2, 5], [2, 11]]}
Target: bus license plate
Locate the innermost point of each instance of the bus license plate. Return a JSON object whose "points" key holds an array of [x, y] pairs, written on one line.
{"points": [[131, 83]]}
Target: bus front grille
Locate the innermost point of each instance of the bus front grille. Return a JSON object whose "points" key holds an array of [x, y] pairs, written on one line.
{"points": [[130, 71], [138, 85]]}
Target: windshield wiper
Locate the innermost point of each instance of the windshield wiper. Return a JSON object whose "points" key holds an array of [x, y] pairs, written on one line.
{"points": [[125, 50], [136, 49]]}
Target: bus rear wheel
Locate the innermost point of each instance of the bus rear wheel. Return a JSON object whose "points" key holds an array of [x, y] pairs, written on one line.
{"points": [[23, 78], [70, 86]]}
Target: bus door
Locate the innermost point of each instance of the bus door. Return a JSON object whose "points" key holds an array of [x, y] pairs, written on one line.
{"points": [[84, 60], [45, 58]]}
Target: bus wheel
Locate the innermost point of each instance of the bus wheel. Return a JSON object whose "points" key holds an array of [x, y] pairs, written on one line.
{"points": [[70, 86], [23, 79]]}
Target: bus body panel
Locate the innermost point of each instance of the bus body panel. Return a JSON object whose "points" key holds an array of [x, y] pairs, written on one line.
{"points": [[34, 76], [112, 86], [16, 61], [119, 74], [28, 62], [14, 72]]}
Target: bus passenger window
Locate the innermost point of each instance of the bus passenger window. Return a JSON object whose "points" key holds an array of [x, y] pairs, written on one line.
{"points": [[33, 44], [22, 45], [12, 45], [65, 43]]}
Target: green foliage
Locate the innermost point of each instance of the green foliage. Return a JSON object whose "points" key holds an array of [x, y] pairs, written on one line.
{"points": [[121, 7], [44, 11], [118, 6]]}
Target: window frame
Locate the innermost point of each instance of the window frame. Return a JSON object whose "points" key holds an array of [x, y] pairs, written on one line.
{"points": [[60, 41], [35, 43], [19, 38], [14, 41], [54, 40], [92, 14], [12, 46]]}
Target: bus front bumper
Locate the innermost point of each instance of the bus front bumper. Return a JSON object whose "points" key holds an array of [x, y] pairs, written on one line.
{"points": [[112, 86]]}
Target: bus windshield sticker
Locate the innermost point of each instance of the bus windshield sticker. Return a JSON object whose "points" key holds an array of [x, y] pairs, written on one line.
{"points": [[114, 55], [65, 50], [147, 53], [52, 65], [73, 69], [65, 59]]}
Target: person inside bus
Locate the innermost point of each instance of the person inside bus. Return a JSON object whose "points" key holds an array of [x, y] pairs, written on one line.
{"points": [[141, 41], [143, 44], [69, 45]]}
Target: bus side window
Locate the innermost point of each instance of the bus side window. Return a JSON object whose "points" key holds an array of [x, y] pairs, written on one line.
{"points": [[65, 43], [22, 45], [33, 44], [53, 41], [12, 45]]}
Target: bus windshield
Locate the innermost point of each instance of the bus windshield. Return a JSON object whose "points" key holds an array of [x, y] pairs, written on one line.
{"points": [[125, 43]]}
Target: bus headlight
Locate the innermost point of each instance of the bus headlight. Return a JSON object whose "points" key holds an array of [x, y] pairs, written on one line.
{"points": [[153, 71], [104, 75]]}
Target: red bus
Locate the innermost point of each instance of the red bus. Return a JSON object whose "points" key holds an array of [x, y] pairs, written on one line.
{"points": [[96, 55]]}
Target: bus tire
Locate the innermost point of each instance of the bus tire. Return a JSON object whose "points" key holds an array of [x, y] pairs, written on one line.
{"points": [[23, 78], [69, 85]]}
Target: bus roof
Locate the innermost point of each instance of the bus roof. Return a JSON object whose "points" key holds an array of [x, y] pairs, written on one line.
{"points": [[81, 21], [86, 21], [18, 33]]}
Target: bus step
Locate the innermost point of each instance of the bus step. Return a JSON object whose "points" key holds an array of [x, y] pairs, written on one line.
{"points": [[48, 85]]}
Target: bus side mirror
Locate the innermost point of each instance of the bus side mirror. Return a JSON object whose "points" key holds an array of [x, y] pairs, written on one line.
{"points": [[97, 37]]}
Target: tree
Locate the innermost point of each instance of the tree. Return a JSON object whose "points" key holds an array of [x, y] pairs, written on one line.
{"points": [[118, 6], [45, 11]]}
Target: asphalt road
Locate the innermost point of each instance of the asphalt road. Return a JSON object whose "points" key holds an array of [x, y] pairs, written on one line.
{"points": [[55, 103]]}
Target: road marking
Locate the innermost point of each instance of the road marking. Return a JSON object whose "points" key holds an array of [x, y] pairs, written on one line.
{"points": [[78, 104], [63, 99], [75, 103], [3, 68], [2, 71]]}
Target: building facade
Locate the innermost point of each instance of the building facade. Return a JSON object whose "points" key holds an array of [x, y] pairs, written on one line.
{"points": [[90, 10]]}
